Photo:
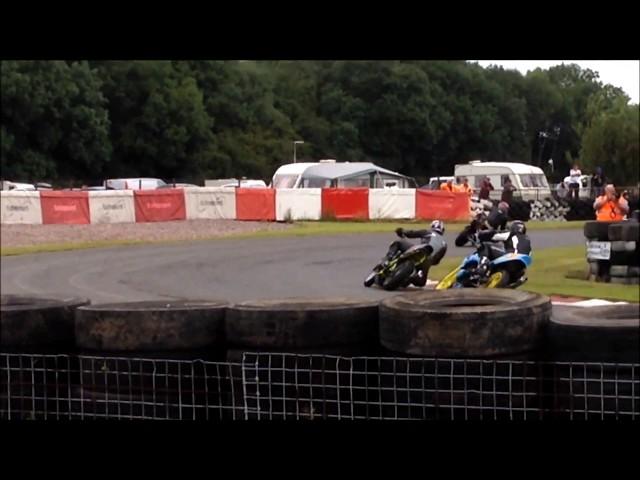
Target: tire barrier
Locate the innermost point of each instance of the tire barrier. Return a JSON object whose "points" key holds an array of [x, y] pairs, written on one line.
{"points": [[608, 334], [43, 326], [599, 334], [330, 326], [464, 323], [122, 333], [36, 324], [621, 265]]}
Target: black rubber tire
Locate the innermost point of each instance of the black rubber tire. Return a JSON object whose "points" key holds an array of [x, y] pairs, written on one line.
{"points": [[600, 334], [154, 326], [622, 246], [398, 276], [595, 230], [464, 322], [624, 231], [624, 258], [36, 324], [619, 271], [302, 323]]}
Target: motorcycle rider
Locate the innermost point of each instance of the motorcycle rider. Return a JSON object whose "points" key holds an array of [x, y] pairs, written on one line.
{"points": [[433, 237], [499, 216], [479, 223], [515, 240]]}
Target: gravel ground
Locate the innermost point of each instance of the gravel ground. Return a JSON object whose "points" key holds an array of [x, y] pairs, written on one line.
{"points": [[27, 235]]}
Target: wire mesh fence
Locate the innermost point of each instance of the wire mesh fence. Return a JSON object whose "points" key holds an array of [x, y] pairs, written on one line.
{"points": [[269, 386]]}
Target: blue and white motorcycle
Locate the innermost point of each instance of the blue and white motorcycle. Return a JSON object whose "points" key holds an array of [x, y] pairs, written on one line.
{"points": [[488, 267]]}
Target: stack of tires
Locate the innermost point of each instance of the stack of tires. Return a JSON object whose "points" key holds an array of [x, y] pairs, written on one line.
{"points": [[606, 338], [625, 253], [548, 210], [329, 326], [44, 326], [134, 373], [623, 266], [480, 324]]}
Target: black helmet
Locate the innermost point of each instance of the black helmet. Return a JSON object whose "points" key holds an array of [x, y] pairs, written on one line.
{"points": [[518, 228], [438, 226]]}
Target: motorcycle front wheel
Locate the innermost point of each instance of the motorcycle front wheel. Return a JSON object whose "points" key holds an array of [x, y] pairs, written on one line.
{"points": [[371, 278], [448, 281]]}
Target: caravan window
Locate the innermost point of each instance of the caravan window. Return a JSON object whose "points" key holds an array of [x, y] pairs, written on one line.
{"points": [[361, 181], [316, 183], [284, 181]]}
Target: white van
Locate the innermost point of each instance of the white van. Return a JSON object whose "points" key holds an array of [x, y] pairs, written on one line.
{"points": [[17, 187], [530, 182], [133, 183]]}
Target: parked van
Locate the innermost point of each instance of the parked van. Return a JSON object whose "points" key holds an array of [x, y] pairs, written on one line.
{"points": [[530, 182], [133, 183], [17, 187]]}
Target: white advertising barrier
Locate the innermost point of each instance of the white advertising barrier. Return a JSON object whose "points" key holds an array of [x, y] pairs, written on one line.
{"points": [[112, 206], [210, 203], [392, 203], [20, 207], [298, 204]]}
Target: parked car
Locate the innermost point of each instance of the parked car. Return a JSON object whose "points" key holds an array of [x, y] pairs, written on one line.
{"points": [[133, 183]]}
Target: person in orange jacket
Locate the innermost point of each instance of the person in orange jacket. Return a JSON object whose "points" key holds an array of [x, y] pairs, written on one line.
{"points": [[610, 207], [448, 187], [465, 187]]}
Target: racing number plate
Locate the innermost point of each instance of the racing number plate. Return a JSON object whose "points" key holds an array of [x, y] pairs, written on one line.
{"points": [[598, 250]]}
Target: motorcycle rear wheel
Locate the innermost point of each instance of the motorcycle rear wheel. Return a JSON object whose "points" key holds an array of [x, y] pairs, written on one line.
{"points": [[498, 279]]}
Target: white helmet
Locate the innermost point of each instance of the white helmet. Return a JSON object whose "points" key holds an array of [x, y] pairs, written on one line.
{"points": [[438, 226]]}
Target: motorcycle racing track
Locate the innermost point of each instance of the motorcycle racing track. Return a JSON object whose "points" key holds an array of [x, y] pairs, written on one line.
{"points": [[232, 270]]}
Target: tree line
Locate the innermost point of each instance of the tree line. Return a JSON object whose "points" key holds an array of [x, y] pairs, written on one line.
{"points": [[84, 121]]}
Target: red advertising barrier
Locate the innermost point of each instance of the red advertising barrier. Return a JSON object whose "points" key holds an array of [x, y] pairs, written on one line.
{"points": [[160, 205], [256, 204], [345, 203], [65, 207], [432, 204]]}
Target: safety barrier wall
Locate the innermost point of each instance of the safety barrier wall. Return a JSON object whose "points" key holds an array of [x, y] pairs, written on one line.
{"points": [[298, 204], [112, 206], [65, 207], [390, 204], [20, 207], [159, 205], [210, 203], [257, 204]]}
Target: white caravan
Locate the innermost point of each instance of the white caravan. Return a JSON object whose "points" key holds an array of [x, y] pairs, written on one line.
{"points": [[530, 182]]}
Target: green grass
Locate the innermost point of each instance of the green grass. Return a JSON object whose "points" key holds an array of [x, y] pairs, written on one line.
{"points": [[548, 275], [298, 229]]}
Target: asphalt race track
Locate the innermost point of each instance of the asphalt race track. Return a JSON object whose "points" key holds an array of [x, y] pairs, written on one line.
{"points": [[233, 270]]}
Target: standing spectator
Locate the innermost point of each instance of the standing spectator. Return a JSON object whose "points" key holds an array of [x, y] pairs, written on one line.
{"points": [[597, 183], [447, 187], [465, 187], [574, 182], [561, 190], [610, 207], [485, 188], [507, 191]]}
